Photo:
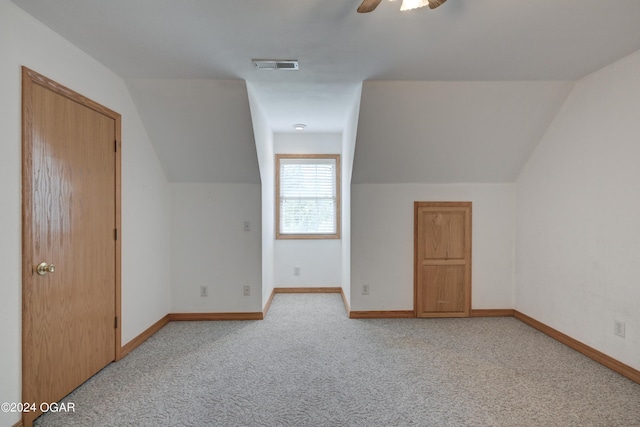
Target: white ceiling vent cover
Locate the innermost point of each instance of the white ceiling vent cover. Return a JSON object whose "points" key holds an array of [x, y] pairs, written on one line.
{"points": [[275, 64]]}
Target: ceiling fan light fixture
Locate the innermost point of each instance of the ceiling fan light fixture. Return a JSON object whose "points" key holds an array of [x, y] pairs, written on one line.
{"points": [[413, 4], [435, 3]]}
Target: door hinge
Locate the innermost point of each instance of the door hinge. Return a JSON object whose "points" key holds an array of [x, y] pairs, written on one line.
{"points": [[116, 145], [116, 323], [115, 233]]}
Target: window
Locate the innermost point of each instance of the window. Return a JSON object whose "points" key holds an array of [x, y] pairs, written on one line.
{"points": [[307, 196]]}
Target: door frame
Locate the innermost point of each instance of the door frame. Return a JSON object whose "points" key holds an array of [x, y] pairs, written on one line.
{"points": [[468, 281], [29, 79]]}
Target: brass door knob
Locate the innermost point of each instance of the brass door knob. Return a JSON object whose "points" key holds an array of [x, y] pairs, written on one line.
{"points": [[43, 268]]}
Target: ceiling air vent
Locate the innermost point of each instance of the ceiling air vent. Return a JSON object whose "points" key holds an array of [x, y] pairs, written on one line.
{"points": [[275, 64]]}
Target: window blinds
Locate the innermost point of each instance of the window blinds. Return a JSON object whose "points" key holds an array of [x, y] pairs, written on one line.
{"points": [[307, 196]]}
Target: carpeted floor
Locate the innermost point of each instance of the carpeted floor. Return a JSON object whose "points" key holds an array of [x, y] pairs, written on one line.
{"points": [[306, 364]]}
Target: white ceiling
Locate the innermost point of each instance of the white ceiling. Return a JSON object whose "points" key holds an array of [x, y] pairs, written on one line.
{"points": [[463, 40]]}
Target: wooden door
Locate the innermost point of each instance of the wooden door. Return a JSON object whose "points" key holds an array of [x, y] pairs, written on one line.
{"points": [[442, 270], [70, 216]]}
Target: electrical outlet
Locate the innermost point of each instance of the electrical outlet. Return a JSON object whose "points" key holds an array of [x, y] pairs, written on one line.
{"points": [[365, 289], [247, 226], [296, 271], [246, 290], [204, 291], [618, 328]]}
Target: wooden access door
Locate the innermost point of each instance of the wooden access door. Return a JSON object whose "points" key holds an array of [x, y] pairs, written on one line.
{"points": [[442, 259], [70, 216]]}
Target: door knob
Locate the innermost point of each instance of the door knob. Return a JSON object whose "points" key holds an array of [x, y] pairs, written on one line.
{"points": [[43, 268]]}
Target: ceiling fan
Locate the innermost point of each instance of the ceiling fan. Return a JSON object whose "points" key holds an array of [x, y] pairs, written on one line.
{"points": [[369, 5]]}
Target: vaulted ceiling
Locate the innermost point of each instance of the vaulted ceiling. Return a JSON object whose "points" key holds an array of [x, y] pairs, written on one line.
{"points": [[461, 93]]}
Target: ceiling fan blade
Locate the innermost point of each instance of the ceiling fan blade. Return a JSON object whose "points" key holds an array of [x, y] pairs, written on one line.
{"points": [[435, 3], [368, 6]]}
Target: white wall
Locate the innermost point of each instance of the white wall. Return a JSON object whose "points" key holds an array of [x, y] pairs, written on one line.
{"points": [[578, 227], [209, 247], [382, 242], [320, 261], [263, 136], [307, 143], [145, 230], [348, 148], [145, 237]]}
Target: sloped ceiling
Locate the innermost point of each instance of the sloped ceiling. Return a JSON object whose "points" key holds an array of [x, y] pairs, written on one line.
{"points": [[201, 129], [326, 105], [440, 124], [451, 132]]}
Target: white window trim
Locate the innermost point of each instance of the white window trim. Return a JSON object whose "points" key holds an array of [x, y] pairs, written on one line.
{"points": [[314, 236]]}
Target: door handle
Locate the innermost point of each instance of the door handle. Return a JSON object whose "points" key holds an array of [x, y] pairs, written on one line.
{"points": [[43, 268]]}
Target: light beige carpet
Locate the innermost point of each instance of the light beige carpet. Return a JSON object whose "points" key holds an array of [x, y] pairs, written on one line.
{"points": [[306, 364]]}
